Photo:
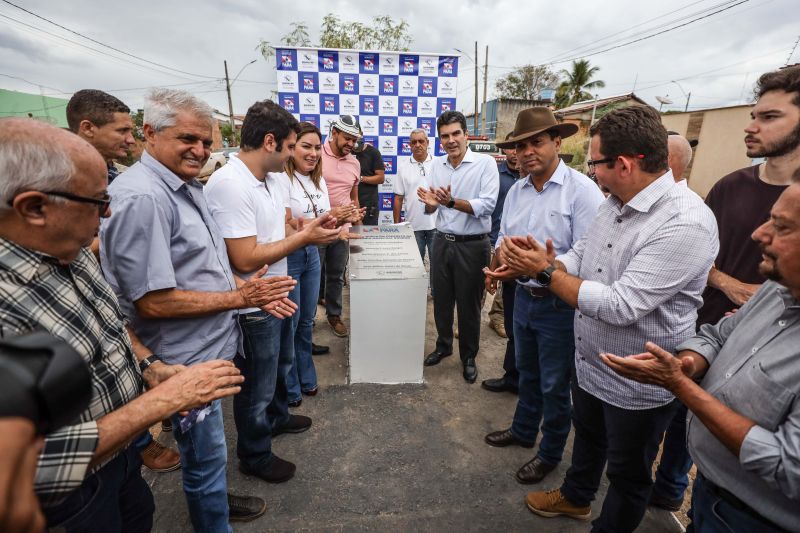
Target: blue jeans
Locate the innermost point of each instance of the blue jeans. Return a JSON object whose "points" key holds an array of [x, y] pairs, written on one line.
{"points": [[114, 498], [544, 343], [711, 514], [672, 474], [262, 404], [204, 455], [424, 240], [303, 265]]}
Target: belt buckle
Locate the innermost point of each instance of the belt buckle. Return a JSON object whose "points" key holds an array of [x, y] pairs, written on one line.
{"points": [[449, 237]]}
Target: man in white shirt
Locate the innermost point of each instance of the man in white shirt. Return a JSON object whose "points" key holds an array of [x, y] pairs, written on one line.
{"points": [[413, 174], [248, 206], [463, 192]]}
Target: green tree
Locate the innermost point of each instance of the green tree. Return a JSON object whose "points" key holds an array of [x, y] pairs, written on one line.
{"points": [[382, 33], [577, 83], [526, 82]]}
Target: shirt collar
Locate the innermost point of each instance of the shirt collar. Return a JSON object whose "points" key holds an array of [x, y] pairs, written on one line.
{"points": [[469, 157], [245, 172], [427, 159], [647, 197], [22, 261], [559, 174], [789, 301], [327, 149], [166, 175]]}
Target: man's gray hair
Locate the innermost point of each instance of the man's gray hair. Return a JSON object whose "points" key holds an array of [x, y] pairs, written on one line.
{"points": [[418, 130], [30, 161], [161, 107]]}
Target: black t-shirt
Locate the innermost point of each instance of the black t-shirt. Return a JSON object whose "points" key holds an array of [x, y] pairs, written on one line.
{"points": [[370, 160], [741, 202]]}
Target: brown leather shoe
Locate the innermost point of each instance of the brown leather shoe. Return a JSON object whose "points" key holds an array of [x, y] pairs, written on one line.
{"points": [[501, 439], [533, 471], [159, 458], [499, 328], [339, 329], [553, 503]]}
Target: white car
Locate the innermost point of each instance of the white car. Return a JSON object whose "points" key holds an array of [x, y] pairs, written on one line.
{"points": [[214, 163]]}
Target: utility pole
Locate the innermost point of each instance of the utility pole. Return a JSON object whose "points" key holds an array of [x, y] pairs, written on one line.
{"points": [[475, 116], [685, 109], [485, 78], [230, 102]]}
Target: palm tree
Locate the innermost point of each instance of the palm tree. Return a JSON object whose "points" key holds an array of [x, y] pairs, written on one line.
{"points": [[577, 84]]}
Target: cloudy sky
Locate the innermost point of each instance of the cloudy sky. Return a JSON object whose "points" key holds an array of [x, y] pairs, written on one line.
{"points": [[714, 56]]}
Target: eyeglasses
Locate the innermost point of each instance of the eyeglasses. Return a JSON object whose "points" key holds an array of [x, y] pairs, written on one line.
{"points": [[101, 203], [594, 162]]}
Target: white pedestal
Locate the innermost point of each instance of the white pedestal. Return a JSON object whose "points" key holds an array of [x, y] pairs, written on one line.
{"points": [[388, 304]]}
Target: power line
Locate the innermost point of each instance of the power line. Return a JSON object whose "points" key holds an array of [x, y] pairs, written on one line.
{"points": [[59, 91], [792, 52], [103, 44]]}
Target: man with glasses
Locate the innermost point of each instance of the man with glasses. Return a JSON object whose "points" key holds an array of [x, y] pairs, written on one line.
{"points": [[636, 276], [165, 257], [52, 198], [412, 173]]}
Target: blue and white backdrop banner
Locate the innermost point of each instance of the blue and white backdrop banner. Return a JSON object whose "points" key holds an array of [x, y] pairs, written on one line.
{"points": [[391, 93]]}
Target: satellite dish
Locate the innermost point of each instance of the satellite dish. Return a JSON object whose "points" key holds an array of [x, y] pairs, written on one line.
{"points": [[663, 100]]}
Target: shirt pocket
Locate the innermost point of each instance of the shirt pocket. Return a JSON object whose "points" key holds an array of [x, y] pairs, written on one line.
{"points": [[757, 396]]}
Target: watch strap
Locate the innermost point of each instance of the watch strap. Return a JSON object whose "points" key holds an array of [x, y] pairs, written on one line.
{"points": [[147, 361]]}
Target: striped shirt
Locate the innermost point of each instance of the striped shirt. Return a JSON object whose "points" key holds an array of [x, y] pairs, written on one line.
{"points": [[644, 266], [74, 303]]}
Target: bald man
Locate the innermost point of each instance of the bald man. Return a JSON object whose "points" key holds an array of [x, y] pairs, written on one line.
{"points": [[679, 157]]}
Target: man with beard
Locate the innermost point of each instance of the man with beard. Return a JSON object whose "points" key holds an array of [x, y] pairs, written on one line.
{"points": [[741, 202], [743, 431]]}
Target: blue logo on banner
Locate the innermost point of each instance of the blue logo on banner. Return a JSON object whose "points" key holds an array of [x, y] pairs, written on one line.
{"points": [[368, 63], [428, 124], [288, 101], [287, 59], [438, 143], [409, 64], [368, 105], [348, 83], [314, 119], [328, 61], [403, 146], [385, 200], [408, 106], [388, 85], [390, 164], [427, 86], [445, 104], [370, 140], [388, 126], [309, 82], [329, 104], [448, 66]]}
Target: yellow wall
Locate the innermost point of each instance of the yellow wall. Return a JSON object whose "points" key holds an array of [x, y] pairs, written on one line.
{"points": [[721, 148]]}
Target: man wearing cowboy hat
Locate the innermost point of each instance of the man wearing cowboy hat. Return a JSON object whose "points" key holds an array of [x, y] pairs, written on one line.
{"points": [[552, 201]]}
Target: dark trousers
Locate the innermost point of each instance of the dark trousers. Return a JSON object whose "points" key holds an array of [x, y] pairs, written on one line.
{"points": [[628, 439], [333, 258], [672, 475], [511, 374], [457, 281], [710, 513], [115, 498]]}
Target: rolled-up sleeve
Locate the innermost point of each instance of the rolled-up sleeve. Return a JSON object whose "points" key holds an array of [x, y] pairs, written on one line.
{"points": [[483, 205], [64, 461], [775, 456], [656, 273]]}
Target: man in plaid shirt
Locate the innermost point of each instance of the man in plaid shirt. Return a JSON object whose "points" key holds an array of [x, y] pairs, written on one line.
{"points": [[52, 197]]}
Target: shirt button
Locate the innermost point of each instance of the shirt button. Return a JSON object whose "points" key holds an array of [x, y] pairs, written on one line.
{"points": [[580, 315], [609, 245], [754, 350], [728, 375], [781, 323], [579, 338], [599, 269], [619, 219], [583, 358]]}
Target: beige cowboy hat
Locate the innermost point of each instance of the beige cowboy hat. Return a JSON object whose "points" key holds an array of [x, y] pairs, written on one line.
{"points": [[533, 121]]}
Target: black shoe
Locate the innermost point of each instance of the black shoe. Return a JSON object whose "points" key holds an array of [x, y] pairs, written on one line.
{"points": [[434, 358], [245, 508], [470, 370], [295, 403], [277, 470], [534, 471], [499, 385], [296, 424], [316, 349], [504, 438], [665, 503]]}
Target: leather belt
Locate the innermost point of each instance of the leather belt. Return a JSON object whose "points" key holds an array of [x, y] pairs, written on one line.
{"points": [[734, 501], [537, 292], [460, 238]]}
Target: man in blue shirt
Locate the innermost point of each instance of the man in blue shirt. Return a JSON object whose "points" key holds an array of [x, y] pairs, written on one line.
{"points": [[552, 201]]}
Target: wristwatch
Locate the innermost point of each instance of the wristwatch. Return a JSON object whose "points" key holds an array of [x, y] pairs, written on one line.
{"points": [[545, 276], [147, 361], [452, 203]]}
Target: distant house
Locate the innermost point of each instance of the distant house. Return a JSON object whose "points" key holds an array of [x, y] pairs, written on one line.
{"points": [[501, 114], [580, 113], [46, 108]]}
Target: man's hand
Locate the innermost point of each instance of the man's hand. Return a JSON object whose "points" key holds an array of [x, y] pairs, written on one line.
{"points": [[282, 308], [160, 371], [656, 366], [318, 230], [346, 235], [525, 255], [443, 195], [19, 506], [201, 384], [501, 273], [428, 197], [739, 292], [343, 212], [357, 215], [259, 291], [489, 283]]}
